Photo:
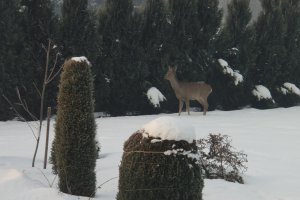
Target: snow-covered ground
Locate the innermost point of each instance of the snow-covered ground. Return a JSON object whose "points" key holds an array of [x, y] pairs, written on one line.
{"points": [[271, 138]]}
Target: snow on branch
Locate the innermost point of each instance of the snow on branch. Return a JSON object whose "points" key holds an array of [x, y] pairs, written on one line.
{"points": [[155, 96], [289, 88], [261, 92], [238, 78]]}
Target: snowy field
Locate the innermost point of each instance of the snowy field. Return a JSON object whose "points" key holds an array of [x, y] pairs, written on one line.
{"points": [[271, 138]]}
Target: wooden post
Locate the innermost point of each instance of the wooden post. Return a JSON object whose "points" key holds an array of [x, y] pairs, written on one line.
{"points": [[47, 137]]}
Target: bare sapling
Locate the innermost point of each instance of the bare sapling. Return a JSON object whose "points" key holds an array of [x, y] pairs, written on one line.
{"points": [[187, 91], [49, 75], [47, 137]]}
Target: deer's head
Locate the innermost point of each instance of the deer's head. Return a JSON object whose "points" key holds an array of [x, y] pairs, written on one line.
{"points": [[171, 73]]}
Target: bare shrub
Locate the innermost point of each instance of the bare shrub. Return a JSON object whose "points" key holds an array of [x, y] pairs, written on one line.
{"points": [[219, 160]]}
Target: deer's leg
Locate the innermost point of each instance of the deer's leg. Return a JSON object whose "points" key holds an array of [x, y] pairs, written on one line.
{"points": [[180, 106], [204, 103], [187, 103], [205, 106]]}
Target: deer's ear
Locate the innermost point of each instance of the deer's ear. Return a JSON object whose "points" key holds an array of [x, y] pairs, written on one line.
{"points": [[175, 68]]}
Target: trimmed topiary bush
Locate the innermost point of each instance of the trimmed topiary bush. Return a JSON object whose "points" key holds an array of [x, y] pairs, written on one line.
{"points": [[153, 169], [74, 150]]}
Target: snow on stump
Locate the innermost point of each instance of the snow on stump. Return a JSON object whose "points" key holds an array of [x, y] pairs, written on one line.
{"points": [[74, 150], [160, 161]]}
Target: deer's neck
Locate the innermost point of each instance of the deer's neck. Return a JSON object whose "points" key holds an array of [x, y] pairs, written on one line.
{"points": [[175, 84]]}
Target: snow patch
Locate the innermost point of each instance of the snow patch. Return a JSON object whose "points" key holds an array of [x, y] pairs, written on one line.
{"points": [[81, 59], [223, 63], [22, 9], [155, 97], [238, 78], [261, 92], [189, 154], [155, 141], [169, 128], [290, 88], [283, 90]]}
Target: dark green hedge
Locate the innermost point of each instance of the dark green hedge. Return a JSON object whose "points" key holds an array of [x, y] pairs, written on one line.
{"points": [[147, 173]]}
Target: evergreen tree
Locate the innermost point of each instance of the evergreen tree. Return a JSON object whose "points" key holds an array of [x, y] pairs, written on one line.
{"points": [[11, 56], [291, 12], [39, 25], [78, 33], [236, 46], [78, 37], [154, 44], [74, 150], [238, 37], [123, 70], [27, 26], [209, 17], [270, 32], [181, 21], [290, 69]]}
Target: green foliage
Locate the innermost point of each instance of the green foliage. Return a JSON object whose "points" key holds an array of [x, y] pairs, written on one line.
{"points": [[78, 37], [120, 57], [155, 51], [25, 27], [181, 17], [228, 93], [131, 47], [270, 32], [291, 14], [147, 173], [78, 34], [237, 43], [209, 16], [39, 24], [285, 97], [74, 149], [261, 103], [11, 43], [206, 33], [286, 100]]}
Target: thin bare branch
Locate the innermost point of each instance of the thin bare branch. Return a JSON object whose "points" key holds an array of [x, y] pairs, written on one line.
{"points": [[106, 182], [99, 187], [19, 115], [56, 74], [53, 68], [23, 104], [38, 91], [18, 93], [44, 47], [50, 184]]}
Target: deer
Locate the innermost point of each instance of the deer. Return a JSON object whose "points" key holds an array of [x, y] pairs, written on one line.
{"points": [[187, 91]]}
